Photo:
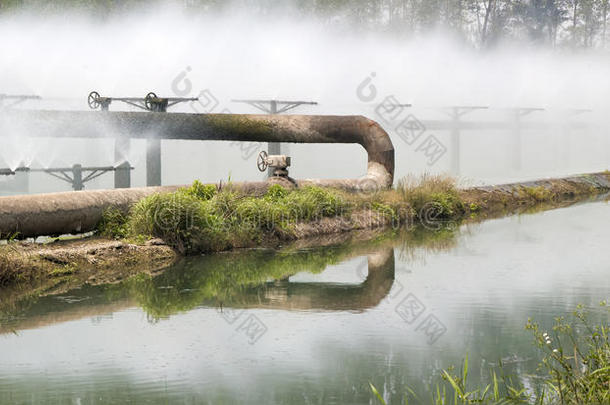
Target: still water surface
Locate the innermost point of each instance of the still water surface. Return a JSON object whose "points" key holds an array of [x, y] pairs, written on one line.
{"points": [[314, 325]]}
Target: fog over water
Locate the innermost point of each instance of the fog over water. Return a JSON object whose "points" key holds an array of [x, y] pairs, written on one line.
{"points": [[283, 56]]}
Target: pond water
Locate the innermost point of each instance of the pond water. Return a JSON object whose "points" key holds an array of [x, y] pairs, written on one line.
{"points": [[311, 325]]}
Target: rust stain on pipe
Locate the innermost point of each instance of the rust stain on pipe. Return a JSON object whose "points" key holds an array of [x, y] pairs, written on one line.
{"points": [[77, 212]]}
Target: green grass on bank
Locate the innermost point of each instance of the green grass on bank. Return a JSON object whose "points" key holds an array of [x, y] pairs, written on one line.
{"points": [[201, 218], [435, 196]]}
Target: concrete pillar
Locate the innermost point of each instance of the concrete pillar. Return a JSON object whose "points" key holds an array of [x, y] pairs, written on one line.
{"points": [[122, 175], [456, 114], [77, 177], [122, 178], [517, 136], [153, 162]]}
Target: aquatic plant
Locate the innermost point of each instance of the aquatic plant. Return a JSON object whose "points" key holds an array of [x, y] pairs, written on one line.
{"points": [[575, 355]]}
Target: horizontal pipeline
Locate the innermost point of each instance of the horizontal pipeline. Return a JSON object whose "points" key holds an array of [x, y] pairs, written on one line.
{"points": [[77, 212], [212, 127]]}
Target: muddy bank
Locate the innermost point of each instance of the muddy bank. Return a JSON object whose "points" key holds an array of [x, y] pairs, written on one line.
{"points": [[60, 265]]}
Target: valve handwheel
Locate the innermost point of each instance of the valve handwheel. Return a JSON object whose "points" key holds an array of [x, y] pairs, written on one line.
{"points": [[94, 100], [148, 101], [261, 161]]}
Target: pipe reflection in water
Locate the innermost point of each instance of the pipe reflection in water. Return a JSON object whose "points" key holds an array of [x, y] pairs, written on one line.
{"points": [[253, 279], [286, 295]]}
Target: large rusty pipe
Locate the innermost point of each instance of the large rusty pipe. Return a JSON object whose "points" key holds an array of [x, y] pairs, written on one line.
{"points": [[76, 212], [61, 213], [218, 127]]}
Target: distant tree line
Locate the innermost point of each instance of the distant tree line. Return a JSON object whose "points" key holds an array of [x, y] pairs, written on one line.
{"points": [[483, 23]]}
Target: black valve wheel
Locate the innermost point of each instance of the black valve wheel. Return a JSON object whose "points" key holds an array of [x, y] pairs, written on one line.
{"points": [[149, 101], [94, 100], [261, 161]]}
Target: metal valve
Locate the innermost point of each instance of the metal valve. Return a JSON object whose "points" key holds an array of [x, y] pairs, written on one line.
{"points": [[150, 103], [279, 163]]}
